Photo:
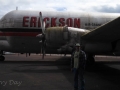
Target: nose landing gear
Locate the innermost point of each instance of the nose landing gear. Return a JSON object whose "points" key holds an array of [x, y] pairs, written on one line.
{"points": [[2, 58]]}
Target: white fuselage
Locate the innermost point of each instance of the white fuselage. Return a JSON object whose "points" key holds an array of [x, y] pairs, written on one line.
{"points": [[19, 28]]}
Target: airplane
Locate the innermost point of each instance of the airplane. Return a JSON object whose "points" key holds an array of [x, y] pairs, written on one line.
{"points": [[24, 31]]}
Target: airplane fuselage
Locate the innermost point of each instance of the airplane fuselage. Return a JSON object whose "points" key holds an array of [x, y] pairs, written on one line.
{"points": [[18, 29]]}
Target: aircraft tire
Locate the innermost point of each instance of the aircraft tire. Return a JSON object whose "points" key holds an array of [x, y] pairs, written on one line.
{"points": [[90, 60], [2, 58]]}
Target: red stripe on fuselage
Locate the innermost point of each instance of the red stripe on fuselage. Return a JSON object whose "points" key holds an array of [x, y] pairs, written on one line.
{"points": [[31, 34]]}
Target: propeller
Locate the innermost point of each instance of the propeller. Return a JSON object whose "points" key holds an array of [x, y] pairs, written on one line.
{"points": [[42, 36]]}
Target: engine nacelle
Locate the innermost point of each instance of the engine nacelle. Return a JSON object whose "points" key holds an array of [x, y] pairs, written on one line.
{"points": [[75, 34], [63, 36], [56, 36]]}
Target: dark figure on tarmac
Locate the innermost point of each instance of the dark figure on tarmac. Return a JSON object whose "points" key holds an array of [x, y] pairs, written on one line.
{"points": [[78, 61]]}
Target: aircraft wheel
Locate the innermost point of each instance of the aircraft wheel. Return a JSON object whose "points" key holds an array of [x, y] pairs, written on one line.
{"points": [[90, 60], [2, 58]]}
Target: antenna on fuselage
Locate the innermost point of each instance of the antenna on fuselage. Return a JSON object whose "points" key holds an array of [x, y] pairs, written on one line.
{"points": [[16, 8]]}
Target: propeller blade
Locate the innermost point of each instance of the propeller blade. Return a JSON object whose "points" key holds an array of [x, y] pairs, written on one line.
{"points": [[41, 21], [42, 36], [43, 30], [39, 35], [43, 49], [43, 55]]}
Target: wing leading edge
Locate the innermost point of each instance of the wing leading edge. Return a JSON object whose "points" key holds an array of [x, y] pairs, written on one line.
{"points": [[108, 32]]}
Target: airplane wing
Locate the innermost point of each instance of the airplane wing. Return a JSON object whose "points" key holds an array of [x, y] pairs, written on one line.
{"points": [[108, 32]]}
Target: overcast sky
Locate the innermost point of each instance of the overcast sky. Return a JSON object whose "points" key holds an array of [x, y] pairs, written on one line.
{"points": [[108, 6]]}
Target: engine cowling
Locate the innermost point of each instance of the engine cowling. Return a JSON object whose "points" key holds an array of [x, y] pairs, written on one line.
{"points": [[56, 36], [63, 38]]}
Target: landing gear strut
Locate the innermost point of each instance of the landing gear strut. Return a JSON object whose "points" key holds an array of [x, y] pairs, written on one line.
{"points": [[90, 60], [2, 58]]}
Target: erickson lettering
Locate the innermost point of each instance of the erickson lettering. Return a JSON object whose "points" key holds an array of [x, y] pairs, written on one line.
{"points": [[51, 22]]}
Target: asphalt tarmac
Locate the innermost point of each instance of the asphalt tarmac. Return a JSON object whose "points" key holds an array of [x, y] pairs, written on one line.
{"points": [[54, 73]]}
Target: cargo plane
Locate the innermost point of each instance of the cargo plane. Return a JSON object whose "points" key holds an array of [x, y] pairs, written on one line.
{"points": [[23, 31]]}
